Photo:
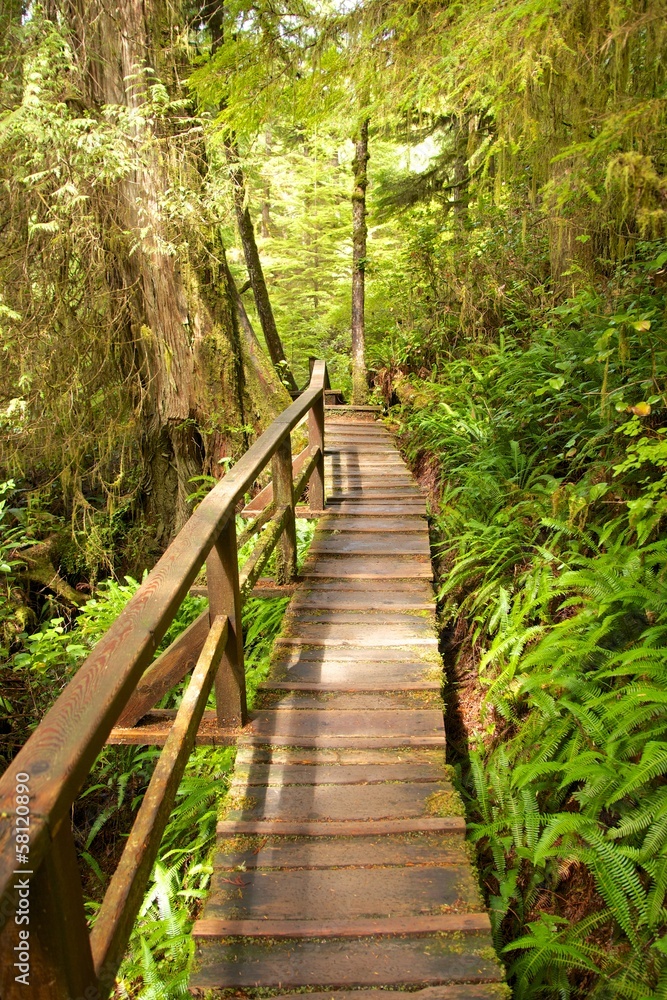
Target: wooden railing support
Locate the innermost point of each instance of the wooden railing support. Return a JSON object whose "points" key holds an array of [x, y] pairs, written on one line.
{"points": [[284, 496], [316, 497], [59, 962], [224, 598]]}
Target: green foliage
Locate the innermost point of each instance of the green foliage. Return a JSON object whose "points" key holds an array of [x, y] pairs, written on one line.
{"points": [[551, 561]]}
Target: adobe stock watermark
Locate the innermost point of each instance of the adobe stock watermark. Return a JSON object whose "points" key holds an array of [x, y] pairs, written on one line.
{"points": [[22, 872]]}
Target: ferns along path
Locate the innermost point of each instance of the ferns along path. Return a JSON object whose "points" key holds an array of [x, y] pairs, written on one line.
{"points": [[340, 860]]}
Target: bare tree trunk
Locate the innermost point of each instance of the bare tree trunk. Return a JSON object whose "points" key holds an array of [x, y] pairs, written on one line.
{"points": [[359, 235], [256, 273], [253, 350]]}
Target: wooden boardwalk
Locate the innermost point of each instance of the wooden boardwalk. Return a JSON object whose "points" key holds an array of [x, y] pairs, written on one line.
{"points": [[341, 863]]}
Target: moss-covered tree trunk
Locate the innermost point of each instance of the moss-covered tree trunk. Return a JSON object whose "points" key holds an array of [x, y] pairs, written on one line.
{"points": [[179, 338], [359, 236]]}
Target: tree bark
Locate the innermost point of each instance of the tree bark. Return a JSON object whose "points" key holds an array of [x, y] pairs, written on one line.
{"points": [[253, 349], [359, 236], [256, 272], [179, 340]]}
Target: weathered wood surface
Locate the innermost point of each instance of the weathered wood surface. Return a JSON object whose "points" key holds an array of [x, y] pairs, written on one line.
{"points": [[341, 859], [119, 678]]}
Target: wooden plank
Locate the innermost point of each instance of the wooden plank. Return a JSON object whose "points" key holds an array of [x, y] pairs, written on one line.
{"points": [[308, 723], [380, 635], [368, 828], [371, 543], [368, 568], [396, 524], [347, 962], [460, 991], [270, 773], [315, 803], [321, 686], [124, 895], [155, 727], [330, 701], [362, 755], [310, 670], [359, 655], [421, 624], [446, 923], [320, 897], [339, 742], [345, 852]]}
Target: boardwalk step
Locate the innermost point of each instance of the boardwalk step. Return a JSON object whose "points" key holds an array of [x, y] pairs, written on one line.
{"points": [[347, 852], [317, 803], [264, 773], [325, 927], [462, 991], [336, 962], [367, 701], [369, 568], [370, 544], [311, 724], [348, 894], [350, 828], [335, 670]]}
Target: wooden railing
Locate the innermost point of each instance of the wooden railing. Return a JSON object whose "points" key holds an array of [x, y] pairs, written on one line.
{"points": [[46, 950]]}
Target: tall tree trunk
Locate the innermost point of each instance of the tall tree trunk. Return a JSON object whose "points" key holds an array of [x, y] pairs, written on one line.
{"points": [[256, 357], [359, 235], [180, 341], [256, 273]]}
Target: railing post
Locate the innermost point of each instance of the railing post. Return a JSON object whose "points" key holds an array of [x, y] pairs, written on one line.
{"points": [[224, 598], [284, 496], [316, 439], [59, 962]]}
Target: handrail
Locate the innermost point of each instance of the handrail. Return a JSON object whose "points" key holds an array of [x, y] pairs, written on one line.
{"points": [[62, 750]]}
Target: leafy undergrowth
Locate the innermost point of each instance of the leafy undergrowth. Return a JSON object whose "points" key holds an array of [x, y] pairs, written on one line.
{"points": [[160, 950], [547, 463]]}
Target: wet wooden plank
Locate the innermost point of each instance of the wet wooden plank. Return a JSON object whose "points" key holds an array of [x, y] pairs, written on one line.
{"points": [[155, 727], [357, 756], [316, 803], [347, 852], [347, 962], [373, 543], [348, 686], [362, 654], [364, 828], [448, 923], [362, 725], [372, 672], [421, 623], [369, 568], [338, 894], [367, 701], [410, 524], [264, 773], [363, 508], [334, 634], [461, 991]]}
